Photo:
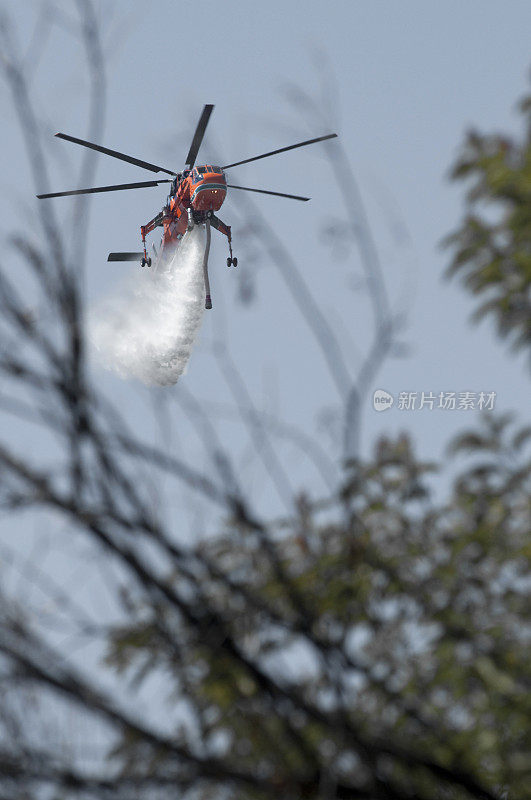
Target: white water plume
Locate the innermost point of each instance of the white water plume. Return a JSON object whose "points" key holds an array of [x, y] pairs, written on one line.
{"points": [[147, 327]]}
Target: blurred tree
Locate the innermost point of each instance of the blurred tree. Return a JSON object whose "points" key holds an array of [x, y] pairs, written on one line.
{"points": [[373, 644], [393, 636], [492, 246]]}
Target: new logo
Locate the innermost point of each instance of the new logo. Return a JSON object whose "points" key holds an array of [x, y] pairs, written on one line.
{"points": [[382, 400]]}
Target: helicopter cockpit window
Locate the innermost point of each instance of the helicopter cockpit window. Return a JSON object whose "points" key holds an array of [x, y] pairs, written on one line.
{"points": [[218, 170], [202, 170], [195, 175]]}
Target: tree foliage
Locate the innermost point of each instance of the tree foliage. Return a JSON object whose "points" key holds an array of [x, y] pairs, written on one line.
{"points": [[394, 630], [492, 246]]}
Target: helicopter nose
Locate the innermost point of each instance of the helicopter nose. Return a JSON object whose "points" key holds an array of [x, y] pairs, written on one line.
{"points": [[209, 195]]}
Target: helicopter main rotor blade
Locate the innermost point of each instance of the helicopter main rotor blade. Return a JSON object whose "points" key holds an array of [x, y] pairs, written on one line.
{"points": [[115, 154], [198, 136], [264, 191], [281, 150], [125, 256], [116, 188]]}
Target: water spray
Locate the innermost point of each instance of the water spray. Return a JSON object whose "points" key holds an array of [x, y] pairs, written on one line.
{"points": [[147, 328]]}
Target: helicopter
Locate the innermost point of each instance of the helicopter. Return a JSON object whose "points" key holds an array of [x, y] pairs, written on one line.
{"points": [[195, 194]]}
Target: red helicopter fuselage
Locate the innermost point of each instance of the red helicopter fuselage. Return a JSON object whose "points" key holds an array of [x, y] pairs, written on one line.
{"points": [[195, 195], [206, 187], [198, 192], [202, 189]]}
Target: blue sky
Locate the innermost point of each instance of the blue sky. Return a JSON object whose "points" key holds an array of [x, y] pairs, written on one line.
{"points": [[408, 79], [405, 81]]}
